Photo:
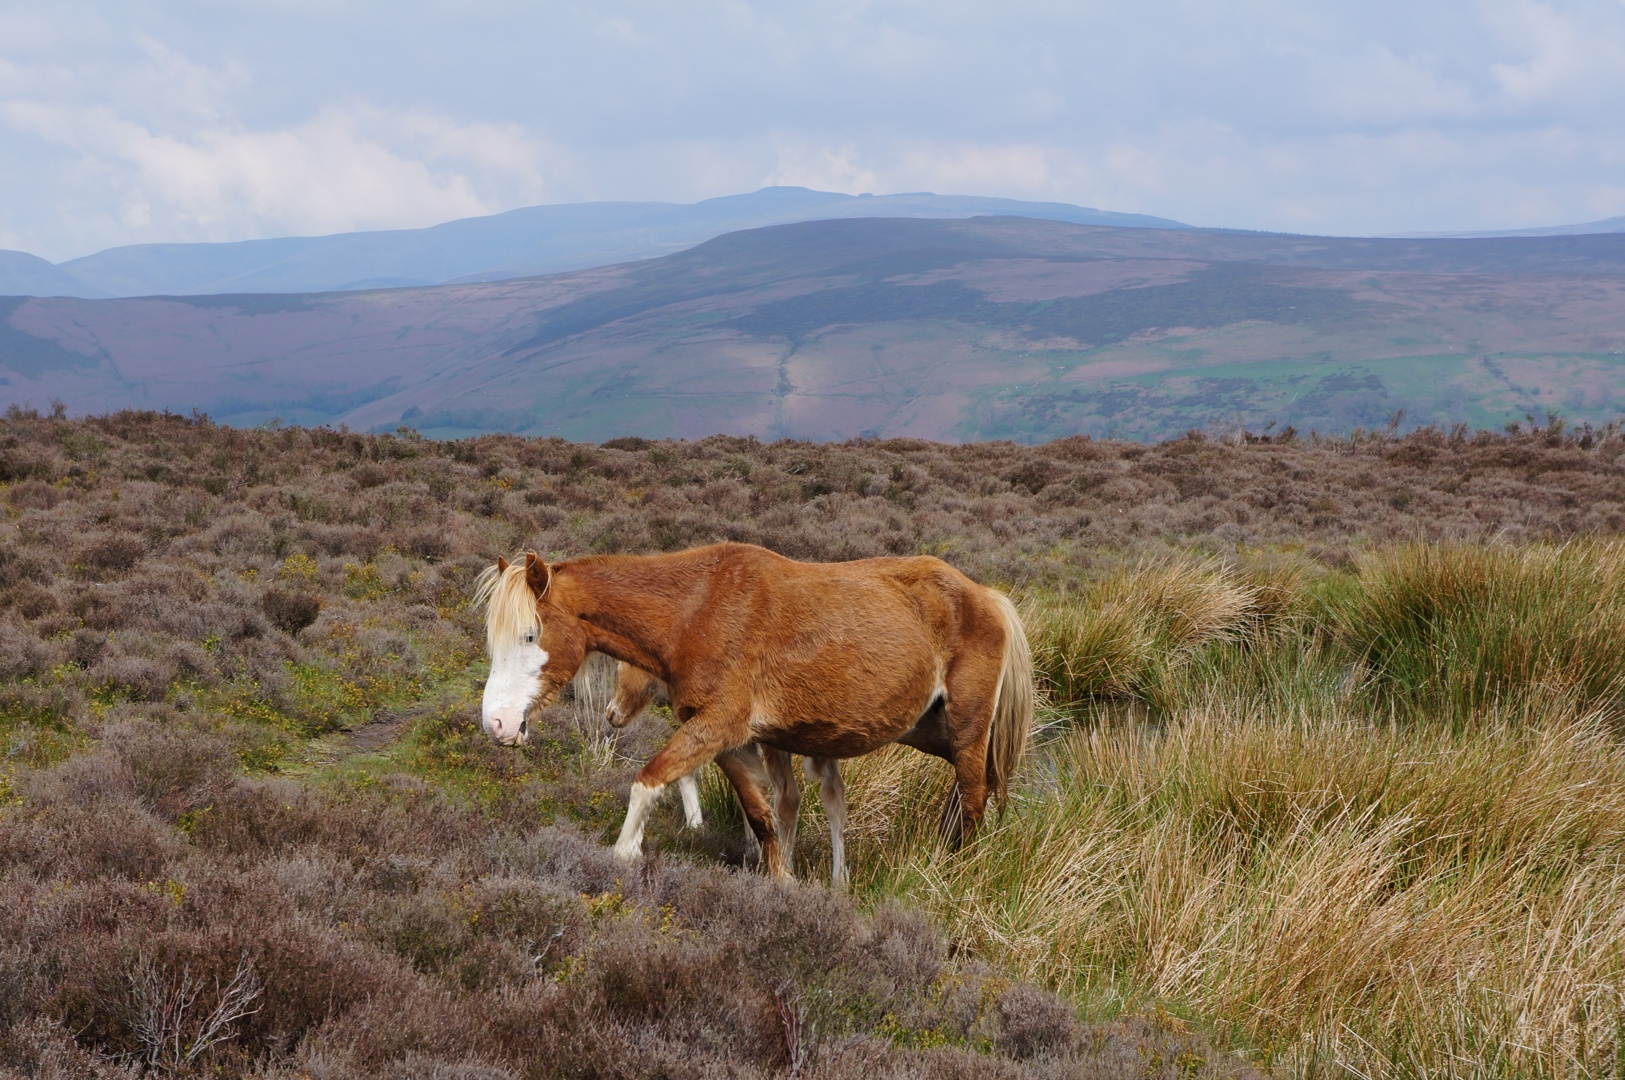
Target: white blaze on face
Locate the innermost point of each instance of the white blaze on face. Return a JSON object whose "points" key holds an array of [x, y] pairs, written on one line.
{"points": [[512, 687]]}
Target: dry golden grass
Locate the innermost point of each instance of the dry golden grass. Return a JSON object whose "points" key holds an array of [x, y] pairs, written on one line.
{"points": [[1454, 629], [1291, 849], [1127, 630], [1398, 901]]}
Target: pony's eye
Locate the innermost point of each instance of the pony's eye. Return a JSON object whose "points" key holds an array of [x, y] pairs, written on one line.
{"points": [[530, 639]]}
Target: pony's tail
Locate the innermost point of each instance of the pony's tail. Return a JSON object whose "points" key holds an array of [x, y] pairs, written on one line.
{"points": [[1013, 705]]}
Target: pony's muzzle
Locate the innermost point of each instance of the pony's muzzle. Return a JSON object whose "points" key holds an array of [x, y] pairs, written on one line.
{"points": [[507, 726]]}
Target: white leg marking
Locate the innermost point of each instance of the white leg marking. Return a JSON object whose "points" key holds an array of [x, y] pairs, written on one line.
{"points": [[630, 845], [832, 789], [690, 791]]}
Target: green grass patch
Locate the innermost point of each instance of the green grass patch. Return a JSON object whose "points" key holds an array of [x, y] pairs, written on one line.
{"points": [[1460, 631]]}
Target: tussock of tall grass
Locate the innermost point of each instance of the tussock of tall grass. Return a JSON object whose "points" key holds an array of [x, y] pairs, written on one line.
{"points": [[1129, 634], [591, 691], [1309, 846], [1122, 633], [1456, 629], [1400, 900]]}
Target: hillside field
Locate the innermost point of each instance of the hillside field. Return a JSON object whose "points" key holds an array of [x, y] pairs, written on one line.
{"points": [[1330, 779], [987, 328]]}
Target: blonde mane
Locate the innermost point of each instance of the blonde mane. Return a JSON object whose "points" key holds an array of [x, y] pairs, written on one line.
{"points": [[510, 606]]}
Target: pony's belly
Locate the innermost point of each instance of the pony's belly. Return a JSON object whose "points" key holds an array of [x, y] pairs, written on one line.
{"points": [[815, 740], [843, 734]]}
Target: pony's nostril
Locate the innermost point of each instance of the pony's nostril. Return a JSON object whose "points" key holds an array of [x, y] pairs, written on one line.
{"points": [[524, 728]]}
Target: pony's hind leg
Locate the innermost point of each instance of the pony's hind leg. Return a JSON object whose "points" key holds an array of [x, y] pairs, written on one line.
{"points": [[832, 790], [971, 695], [786, 801], [745, 770]]}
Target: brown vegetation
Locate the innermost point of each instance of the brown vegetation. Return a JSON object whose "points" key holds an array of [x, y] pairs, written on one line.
{"points": [[246, 821], [203, 870], [389, 933]]}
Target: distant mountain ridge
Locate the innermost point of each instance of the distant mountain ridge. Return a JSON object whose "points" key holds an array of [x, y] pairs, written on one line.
{"points": [[992, 327], [22, 274], [527, 242], [1588, 228]]}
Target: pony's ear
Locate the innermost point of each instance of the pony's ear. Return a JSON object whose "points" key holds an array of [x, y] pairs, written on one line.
{"points": [[537, 575], [502, 564]]}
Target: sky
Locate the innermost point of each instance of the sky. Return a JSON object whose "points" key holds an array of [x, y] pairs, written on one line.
{"points": [[136, 122]]}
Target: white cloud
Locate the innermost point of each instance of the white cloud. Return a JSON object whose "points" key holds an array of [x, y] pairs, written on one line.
{"points": [[129, 123], [176, 83], [1383, 88], [822, 168], [346, 168], [1557, 54]]}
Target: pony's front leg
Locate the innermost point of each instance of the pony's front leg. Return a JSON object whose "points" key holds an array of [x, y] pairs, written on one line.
{"points": [[634, 689], [689, 789], [693, 744]]}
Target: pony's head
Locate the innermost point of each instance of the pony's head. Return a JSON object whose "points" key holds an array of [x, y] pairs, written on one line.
{"points": [[535, 649]]}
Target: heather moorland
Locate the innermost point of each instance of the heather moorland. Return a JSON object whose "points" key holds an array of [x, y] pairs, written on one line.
{"points": [[1330, 775]]}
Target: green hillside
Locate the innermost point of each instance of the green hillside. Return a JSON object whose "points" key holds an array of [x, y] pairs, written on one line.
{"points": [[982, 328]]}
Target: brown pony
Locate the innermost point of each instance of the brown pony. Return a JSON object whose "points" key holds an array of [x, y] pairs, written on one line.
{"points": [[635, 689], [827, 660]]}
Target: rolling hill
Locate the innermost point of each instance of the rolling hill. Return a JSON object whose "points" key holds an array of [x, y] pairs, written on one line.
{"points": [[22, 274], [1607, 225], [520, 243], [994, 327]]}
